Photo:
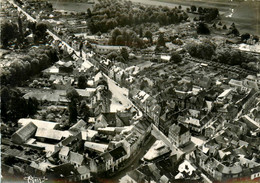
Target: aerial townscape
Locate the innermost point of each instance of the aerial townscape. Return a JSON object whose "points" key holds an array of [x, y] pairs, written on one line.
{"points": [[139, 91]]}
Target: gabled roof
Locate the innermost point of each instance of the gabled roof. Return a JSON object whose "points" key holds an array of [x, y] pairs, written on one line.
{"points": [[76, 158], [118, 152], [49, 134], [78, 126], [64, 151], [38, 123], [88, 134], [24, 133], [83, 170], [63, 171], [98, 76], [110, 117]]}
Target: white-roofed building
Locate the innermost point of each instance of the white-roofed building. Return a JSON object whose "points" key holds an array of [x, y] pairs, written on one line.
{"points": [[38, 123]]}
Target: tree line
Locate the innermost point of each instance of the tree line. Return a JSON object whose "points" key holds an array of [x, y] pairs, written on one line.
{"points": [[108, 14]]}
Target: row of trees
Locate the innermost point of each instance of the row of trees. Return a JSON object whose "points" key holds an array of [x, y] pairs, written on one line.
{"points": [[28, 65], [108, 14], [14, 106], [206, 14]]}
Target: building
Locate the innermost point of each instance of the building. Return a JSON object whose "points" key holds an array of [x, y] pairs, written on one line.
{"points": [[84, 173], [104, 49], [76, 159], [24, 133], [179, 135], [64, 154], [119, 155]]}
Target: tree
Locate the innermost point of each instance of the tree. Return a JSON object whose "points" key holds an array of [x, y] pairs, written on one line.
{"points": [[119, 58], [203, 28], [200, 10], [40, 31], [245, 37], [144, 84], [124, 54], [204, 50], [82, 82], [32, 105], [140, 32], [193, 8], [73, 113], [175, 57], [120, 40], [112, 56], [89, 13], [161, 41], [72, 94], [8, 33], [149, 36], [84, 111], [234, 31], [20, 28], [116, 32], [256, 38]]}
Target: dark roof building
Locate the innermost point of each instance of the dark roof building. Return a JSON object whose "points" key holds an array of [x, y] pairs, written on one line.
{"points": [[118, 153]]}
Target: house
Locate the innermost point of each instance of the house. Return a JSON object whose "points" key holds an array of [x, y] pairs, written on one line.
{"points": [[88, 135], [191, 123], [24, 133], [119, 155], [225, 96], [84, 173], [158, 150], [165, 58], [118, 119], [134, 176], [236, 83], [63, 172], [64, 154], [74, 142], [250, 122], [204, 82], [108, 160], [255, 173], [179, 135], [102, 163], [155, 114], [105, 119], [76, 159], [210, 131], [98, 77]]}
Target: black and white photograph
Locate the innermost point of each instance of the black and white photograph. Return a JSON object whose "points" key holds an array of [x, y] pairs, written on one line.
{"points": [[130, 91]]}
